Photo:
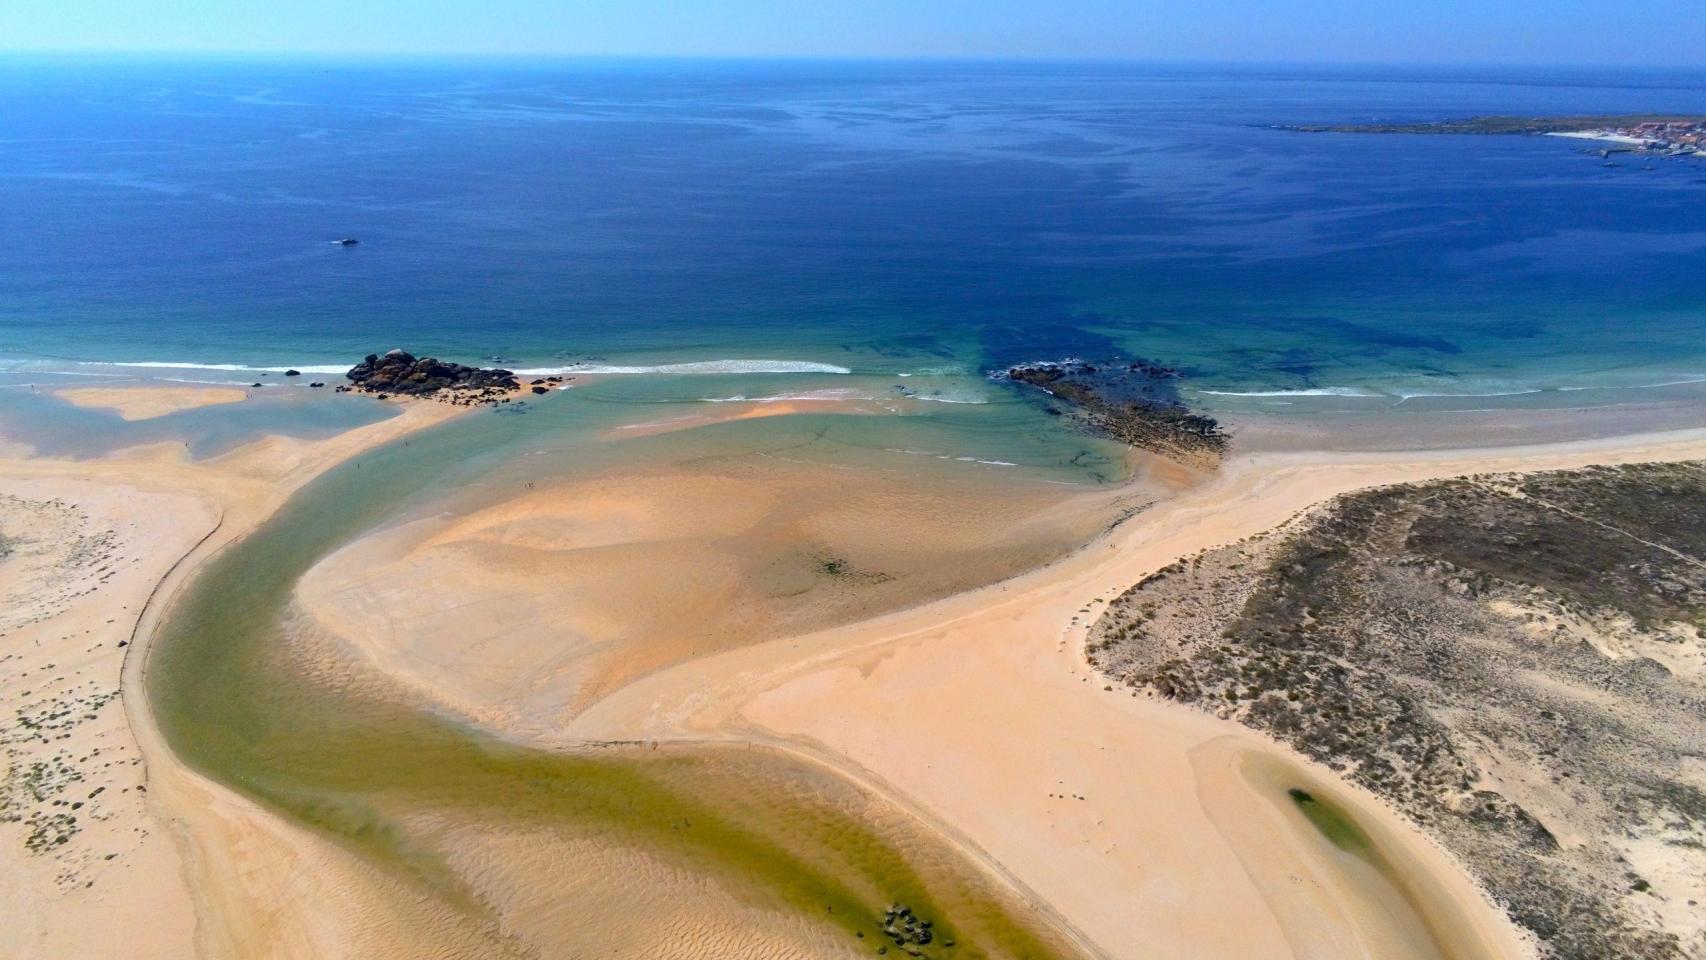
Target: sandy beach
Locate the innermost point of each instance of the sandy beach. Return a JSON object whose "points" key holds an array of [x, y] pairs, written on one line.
{"points": [[1010, 660], [1139, 827], [1605, 136], [522, 613], [916, 693], [151, 854], [928, 484]]}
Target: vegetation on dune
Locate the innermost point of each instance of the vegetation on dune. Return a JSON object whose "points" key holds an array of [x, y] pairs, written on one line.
{"points": [[1508, 659]]}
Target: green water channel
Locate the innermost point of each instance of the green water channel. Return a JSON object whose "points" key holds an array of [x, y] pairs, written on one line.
{"points": [[1334, 824], [236, 699], [1410, 893]]}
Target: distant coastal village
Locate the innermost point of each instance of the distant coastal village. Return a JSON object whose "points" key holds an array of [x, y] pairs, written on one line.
{"points": [[1670, 136]]}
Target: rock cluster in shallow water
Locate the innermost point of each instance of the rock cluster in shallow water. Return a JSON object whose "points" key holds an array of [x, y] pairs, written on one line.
{"points": [[401, 373], [906, 929], [1134, 402]]}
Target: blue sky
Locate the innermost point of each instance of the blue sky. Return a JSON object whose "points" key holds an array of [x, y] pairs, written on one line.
{"points": [[1668, 32]]}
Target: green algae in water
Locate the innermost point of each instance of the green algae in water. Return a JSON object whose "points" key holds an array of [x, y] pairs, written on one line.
{"points": [[1333, 823], [235, 703], [1404, 887]]}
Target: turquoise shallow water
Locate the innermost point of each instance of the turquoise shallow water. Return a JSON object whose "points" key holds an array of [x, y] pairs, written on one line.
{"points": [[248, 691], [872, 234], [51, 427], [883, 218]]}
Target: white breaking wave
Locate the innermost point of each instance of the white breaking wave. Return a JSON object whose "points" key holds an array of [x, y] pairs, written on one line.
{"points": [[1666, 383], [839, 393], [835, 393], [1514, 392], [1310, 392], [197, 380], [232, 367], [1365, 393], [80, 373], [1399, 395], [921, 396], [694, 367]]}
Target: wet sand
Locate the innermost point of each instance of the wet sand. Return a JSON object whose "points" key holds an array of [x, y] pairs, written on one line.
{"points": [[995, 700], [146, 403], [84, 869], [1338, 884], [1463, 423], [521, 613], [971, 718], [152, 855]]}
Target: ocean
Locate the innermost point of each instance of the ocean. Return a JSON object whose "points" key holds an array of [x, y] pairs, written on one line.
{"points": [[819, 239], [884, 218]]}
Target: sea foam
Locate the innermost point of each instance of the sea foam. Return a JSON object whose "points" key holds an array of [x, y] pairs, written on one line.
{"points": [[1399, 395], [232, 367], [1309, 392], [691, 368], [831, 394]]}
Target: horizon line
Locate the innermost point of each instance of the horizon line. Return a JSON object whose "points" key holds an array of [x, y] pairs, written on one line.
{"points": [[240, 54]]}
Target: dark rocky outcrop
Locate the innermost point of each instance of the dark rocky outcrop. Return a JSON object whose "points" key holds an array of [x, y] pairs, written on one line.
{"points": [[908, 930], [403, 374], [1134, 402]]}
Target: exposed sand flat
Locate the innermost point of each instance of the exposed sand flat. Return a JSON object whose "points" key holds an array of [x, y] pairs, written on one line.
{"points": [[84, 870], [146, 403], [976, 712], [981, 711], [751, 410], [521, 613], [192, 867]]}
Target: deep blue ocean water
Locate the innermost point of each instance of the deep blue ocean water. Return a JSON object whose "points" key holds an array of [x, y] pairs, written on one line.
{"points": [[880, 217]]}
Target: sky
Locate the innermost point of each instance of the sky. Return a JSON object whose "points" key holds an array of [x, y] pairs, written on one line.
{"points": [[1667, 33]]}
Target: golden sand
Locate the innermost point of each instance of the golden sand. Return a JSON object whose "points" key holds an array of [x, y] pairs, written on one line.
{"points": [[980, 711], [100, 538], [146, 403], [521, 613], [975, 713]]}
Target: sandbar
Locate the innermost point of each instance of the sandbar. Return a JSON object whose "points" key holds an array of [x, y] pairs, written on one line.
{"points": [[146, 403], [974, 713]]}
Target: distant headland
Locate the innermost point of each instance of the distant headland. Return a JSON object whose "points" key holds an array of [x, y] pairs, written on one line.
{"points": [[1654, 133]]}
